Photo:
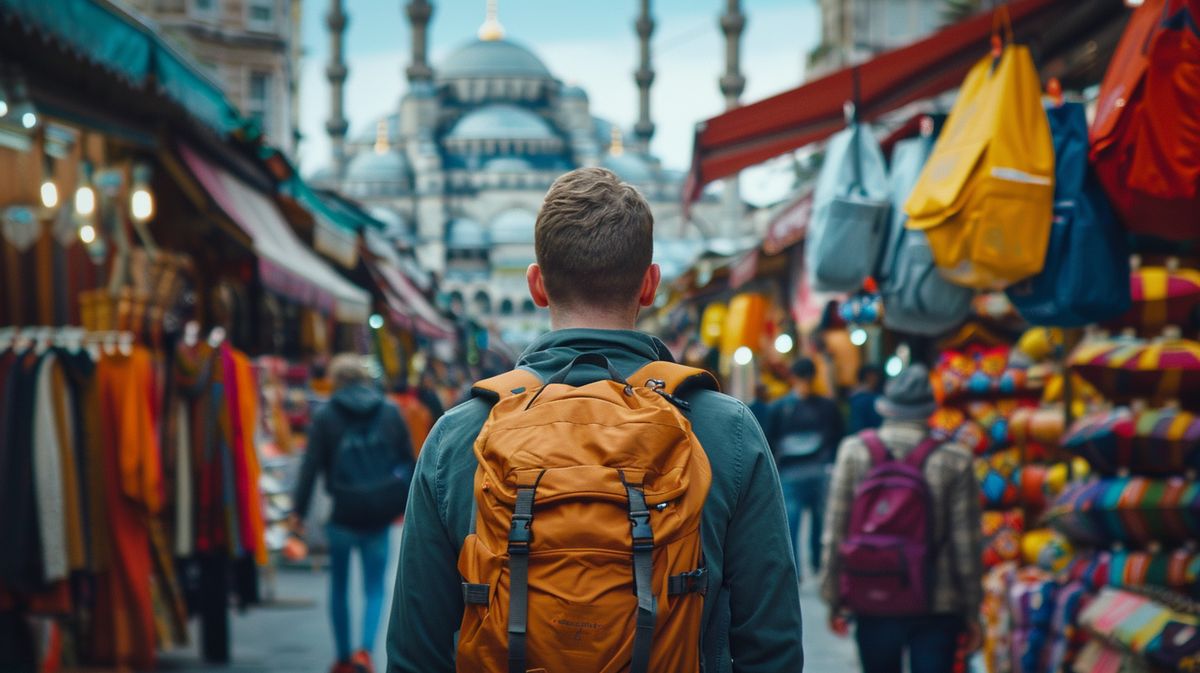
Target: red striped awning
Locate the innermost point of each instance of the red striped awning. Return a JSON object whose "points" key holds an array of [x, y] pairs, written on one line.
{"points": [[749, 135]]}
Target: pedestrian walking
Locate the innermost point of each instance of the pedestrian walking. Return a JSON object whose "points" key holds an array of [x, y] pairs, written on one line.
{"points": [[761, 405], [902, 551], [804, 430], [359, 444], [599, 508], [862, 400]]}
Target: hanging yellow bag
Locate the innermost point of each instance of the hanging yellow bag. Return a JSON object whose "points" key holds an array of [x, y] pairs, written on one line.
{"points": [[985, 197]]}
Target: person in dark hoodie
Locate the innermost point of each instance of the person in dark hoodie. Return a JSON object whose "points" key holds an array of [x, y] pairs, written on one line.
{"points": [[357, 409]]}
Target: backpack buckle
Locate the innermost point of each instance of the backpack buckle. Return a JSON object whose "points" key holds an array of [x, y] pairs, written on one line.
{"points": [[656, 384], [694, 582], [643, 534], [520, 534]]}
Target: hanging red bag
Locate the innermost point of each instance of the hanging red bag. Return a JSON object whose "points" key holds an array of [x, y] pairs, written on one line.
{"points": [[1146, 136]]}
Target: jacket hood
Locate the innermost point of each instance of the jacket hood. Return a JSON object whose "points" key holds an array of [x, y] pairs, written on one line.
{"points": [[358, 399]]}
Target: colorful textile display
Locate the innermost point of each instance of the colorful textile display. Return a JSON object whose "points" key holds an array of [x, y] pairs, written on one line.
{"points": [[981, 372], [1154, 442], [1177, 570], [1126, 369], [1142, 626], [1002, 536], [1129, 510], [1162, 297]]}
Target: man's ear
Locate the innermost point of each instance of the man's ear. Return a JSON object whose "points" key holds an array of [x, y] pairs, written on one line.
{"points": [[537, 286], [650, 283]]}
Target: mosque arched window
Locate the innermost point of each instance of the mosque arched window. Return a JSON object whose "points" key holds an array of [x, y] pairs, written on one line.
{"points": [[506, 307], [483, 303]]}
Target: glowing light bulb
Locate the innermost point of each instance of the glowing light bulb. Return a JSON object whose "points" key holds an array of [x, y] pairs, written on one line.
{"points": [[85, 201], [29, 120], [784, 343], [858, 337], [87, 234], [141, 204], [894, 366], [743, 355], [3, 108], [49, 194], [375, 321]]}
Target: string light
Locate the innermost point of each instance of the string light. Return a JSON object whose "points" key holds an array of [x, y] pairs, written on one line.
{"points": [[858, 337], [375, 321], [743, 355], [87, 234], [49, 194], [141, 201], [894, 366]]}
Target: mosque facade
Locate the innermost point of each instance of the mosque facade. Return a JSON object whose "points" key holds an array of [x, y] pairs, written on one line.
{"points": [[459, 170]]}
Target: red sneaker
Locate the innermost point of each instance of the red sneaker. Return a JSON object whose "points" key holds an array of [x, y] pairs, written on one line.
{"points": [[362, 659]]}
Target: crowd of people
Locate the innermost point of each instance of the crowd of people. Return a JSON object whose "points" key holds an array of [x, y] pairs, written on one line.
{"points": [[530, 501]]}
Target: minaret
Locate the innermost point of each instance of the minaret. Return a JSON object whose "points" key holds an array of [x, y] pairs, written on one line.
{"points": [[732, 85], [732, 82], [419, 13], [491, 30], [336, 72], [644, 129]]}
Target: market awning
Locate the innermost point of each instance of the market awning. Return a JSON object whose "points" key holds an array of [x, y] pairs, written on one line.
{"points": [[743, 137], [285, 264], [788, 225], [105, 34], [407, 306]]}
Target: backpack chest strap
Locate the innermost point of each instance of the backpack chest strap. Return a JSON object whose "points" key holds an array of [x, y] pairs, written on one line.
{"points": [[643, 570]]}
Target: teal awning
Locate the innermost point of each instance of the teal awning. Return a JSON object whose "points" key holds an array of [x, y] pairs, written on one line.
{"points": [[110, 37]]}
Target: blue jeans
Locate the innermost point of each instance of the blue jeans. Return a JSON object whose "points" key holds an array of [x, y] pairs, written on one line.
{"points": [[931, 641], [804, 491], [373, 551]]}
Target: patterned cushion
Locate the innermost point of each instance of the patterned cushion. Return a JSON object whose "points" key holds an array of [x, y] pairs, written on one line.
{"points": [[1155, 442]]}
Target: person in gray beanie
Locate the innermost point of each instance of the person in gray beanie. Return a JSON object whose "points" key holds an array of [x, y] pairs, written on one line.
{"points": [[932, 638]]}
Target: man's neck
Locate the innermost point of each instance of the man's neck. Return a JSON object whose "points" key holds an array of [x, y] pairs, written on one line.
{"points": [[611, 320]]}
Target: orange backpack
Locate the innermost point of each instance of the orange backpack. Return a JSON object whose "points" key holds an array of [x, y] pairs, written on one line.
{"points": [[584, 553]]}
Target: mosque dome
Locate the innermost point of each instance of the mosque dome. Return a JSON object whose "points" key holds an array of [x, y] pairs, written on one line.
{"points": [[387, 166], [573, 92], [629, 167], [500, 121], [483, 59], [507, 165], [465, 233], [513, 226]]}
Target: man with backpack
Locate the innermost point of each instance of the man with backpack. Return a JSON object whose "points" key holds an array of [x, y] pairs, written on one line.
{"points": [[804, 429], [903, 554], [600, 507], [359, 444]]}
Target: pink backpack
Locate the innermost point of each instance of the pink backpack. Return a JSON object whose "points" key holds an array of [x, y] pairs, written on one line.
{"points": [[888, 553]]}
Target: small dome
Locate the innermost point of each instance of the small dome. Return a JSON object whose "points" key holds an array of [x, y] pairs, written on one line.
{"points": [[323, 175], [378, 167], [464, 233], [573, 92], [513, 226], [629, 167], [492, 58], [603, 130], [508, 165], [501, 122]]}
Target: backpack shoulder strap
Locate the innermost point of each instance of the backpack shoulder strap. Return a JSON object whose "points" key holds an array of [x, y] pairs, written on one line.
{"points": [[677, 379], [923, 451], [505, 385], [878, 450]]}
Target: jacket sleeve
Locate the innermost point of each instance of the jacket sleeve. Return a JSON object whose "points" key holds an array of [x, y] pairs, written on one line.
{"points": [[837, 513], [427, 605], [765, 633], [966, 539], [315, 458]]}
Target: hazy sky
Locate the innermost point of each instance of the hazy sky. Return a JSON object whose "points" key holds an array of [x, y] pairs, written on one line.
{"points": [[590, 43]]}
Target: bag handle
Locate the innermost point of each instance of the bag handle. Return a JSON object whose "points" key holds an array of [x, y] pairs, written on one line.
{"points": [[594, 359], [1001, 19]]}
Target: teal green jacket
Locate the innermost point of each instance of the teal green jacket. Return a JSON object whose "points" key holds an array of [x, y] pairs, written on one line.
{"points": [[752, 609]]}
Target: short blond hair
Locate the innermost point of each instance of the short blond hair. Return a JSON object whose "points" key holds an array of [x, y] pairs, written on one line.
{"points": [[347, 369]]}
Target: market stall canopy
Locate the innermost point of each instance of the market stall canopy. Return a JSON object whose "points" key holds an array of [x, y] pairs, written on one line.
{"points": [[406, 306], [104, 34], [743, 137], [285, 264]]}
